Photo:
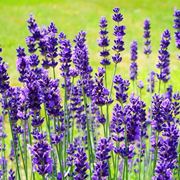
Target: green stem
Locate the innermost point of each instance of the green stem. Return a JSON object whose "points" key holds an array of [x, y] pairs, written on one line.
{"points": [[16, 155], [179, 161], [23, 161], [114, 73], [54, 73], [159, 90], [156, 152], [90, 151], [140, 159]]}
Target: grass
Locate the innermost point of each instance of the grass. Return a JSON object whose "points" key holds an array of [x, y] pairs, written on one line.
{"points": [[72, 16]]}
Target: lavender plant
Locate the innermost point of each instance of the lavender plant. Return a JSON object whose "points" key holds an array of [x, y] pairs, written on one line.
{"points": [[58, 123]]}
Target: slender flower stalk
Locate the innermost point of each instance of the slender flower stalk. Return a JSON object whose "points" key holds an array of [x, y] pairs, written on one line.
{"points": [[163, 64], [147, 35], [119, 32], [133, 66], [177, 29], [104, 43]]}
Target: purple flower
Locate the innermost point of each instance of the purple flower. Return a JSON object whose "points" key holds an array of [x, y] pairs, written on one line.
{"points": [[100, 94], [41, 160], [140, 84], [177, 27], [65, 60], [37, 135], [34, 60], [81, 164], [161, 112], [147, 43], [56, 138], [33, 28], [81, 62], [12, 175], [77, 107], [51, 96], [151, 82], [121, 86], [162, 172], [116, 126], [103, 42], [4, 78], [119, 34], [169, 92], [101, 169], [34, 96], [59, 176], [167, 161], [117, 16], [163, 64], [22, 64], [133, 66], [13, 100]]}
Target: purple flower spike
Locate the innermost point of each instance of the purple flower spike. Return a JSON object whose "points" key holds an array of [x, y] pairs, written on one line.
{"points": [[151, 82], [119, 34], [100, 94], [117, 16], [81, 62], [103, 42], [101, 169], [22, 64], [4, 78], [163, 64], [11, 175], [147, 43], [133, 66], [41, 160], [81, 164], [121, 86], [177, 27]]}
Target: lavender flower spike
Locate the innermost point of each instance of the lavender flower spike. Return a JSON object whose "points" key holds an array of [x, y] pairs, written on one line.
{"points": [[177, 28], [147, 43], [103, 42], [4, 78], [133, 66], [41, 160], [121, 86], [163, 64], [101, 169], [81, 164], [119, 34]]}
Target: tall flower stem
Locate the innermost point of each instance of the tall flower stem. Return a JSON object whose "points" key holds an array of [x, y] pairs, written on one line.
{"points": [[140, 159], [107, 107], [114, 73], [54, 73], [90, 151], [156, 152], [126, 158], [23, 160], [16, 155]]}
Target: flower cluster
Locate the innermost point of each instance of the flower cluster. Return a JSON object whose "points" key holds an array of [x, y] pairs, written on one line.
{"points": [[133, 66], [163, 64], [104, 41], [119, 32], [41, 160], [76, 125], [147, 43], [177, 27]]}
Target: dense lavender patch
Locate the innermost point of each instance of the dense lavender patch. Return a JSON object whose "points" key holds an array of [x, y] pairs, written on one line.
{"points": [[59, 125]]}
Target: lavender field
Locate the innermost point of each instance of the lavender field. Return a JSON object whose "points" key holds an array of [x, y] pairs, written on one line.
{"points": [[75, 109]]}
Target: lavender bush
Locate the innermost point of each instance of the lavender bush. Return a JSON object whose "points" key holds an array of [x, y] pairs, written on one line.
{"points": [[59, 125]]}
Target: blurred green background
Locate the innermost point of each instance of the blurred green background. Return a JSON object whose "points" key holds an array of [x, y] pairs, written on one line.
{"points": [[71, 16]]}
